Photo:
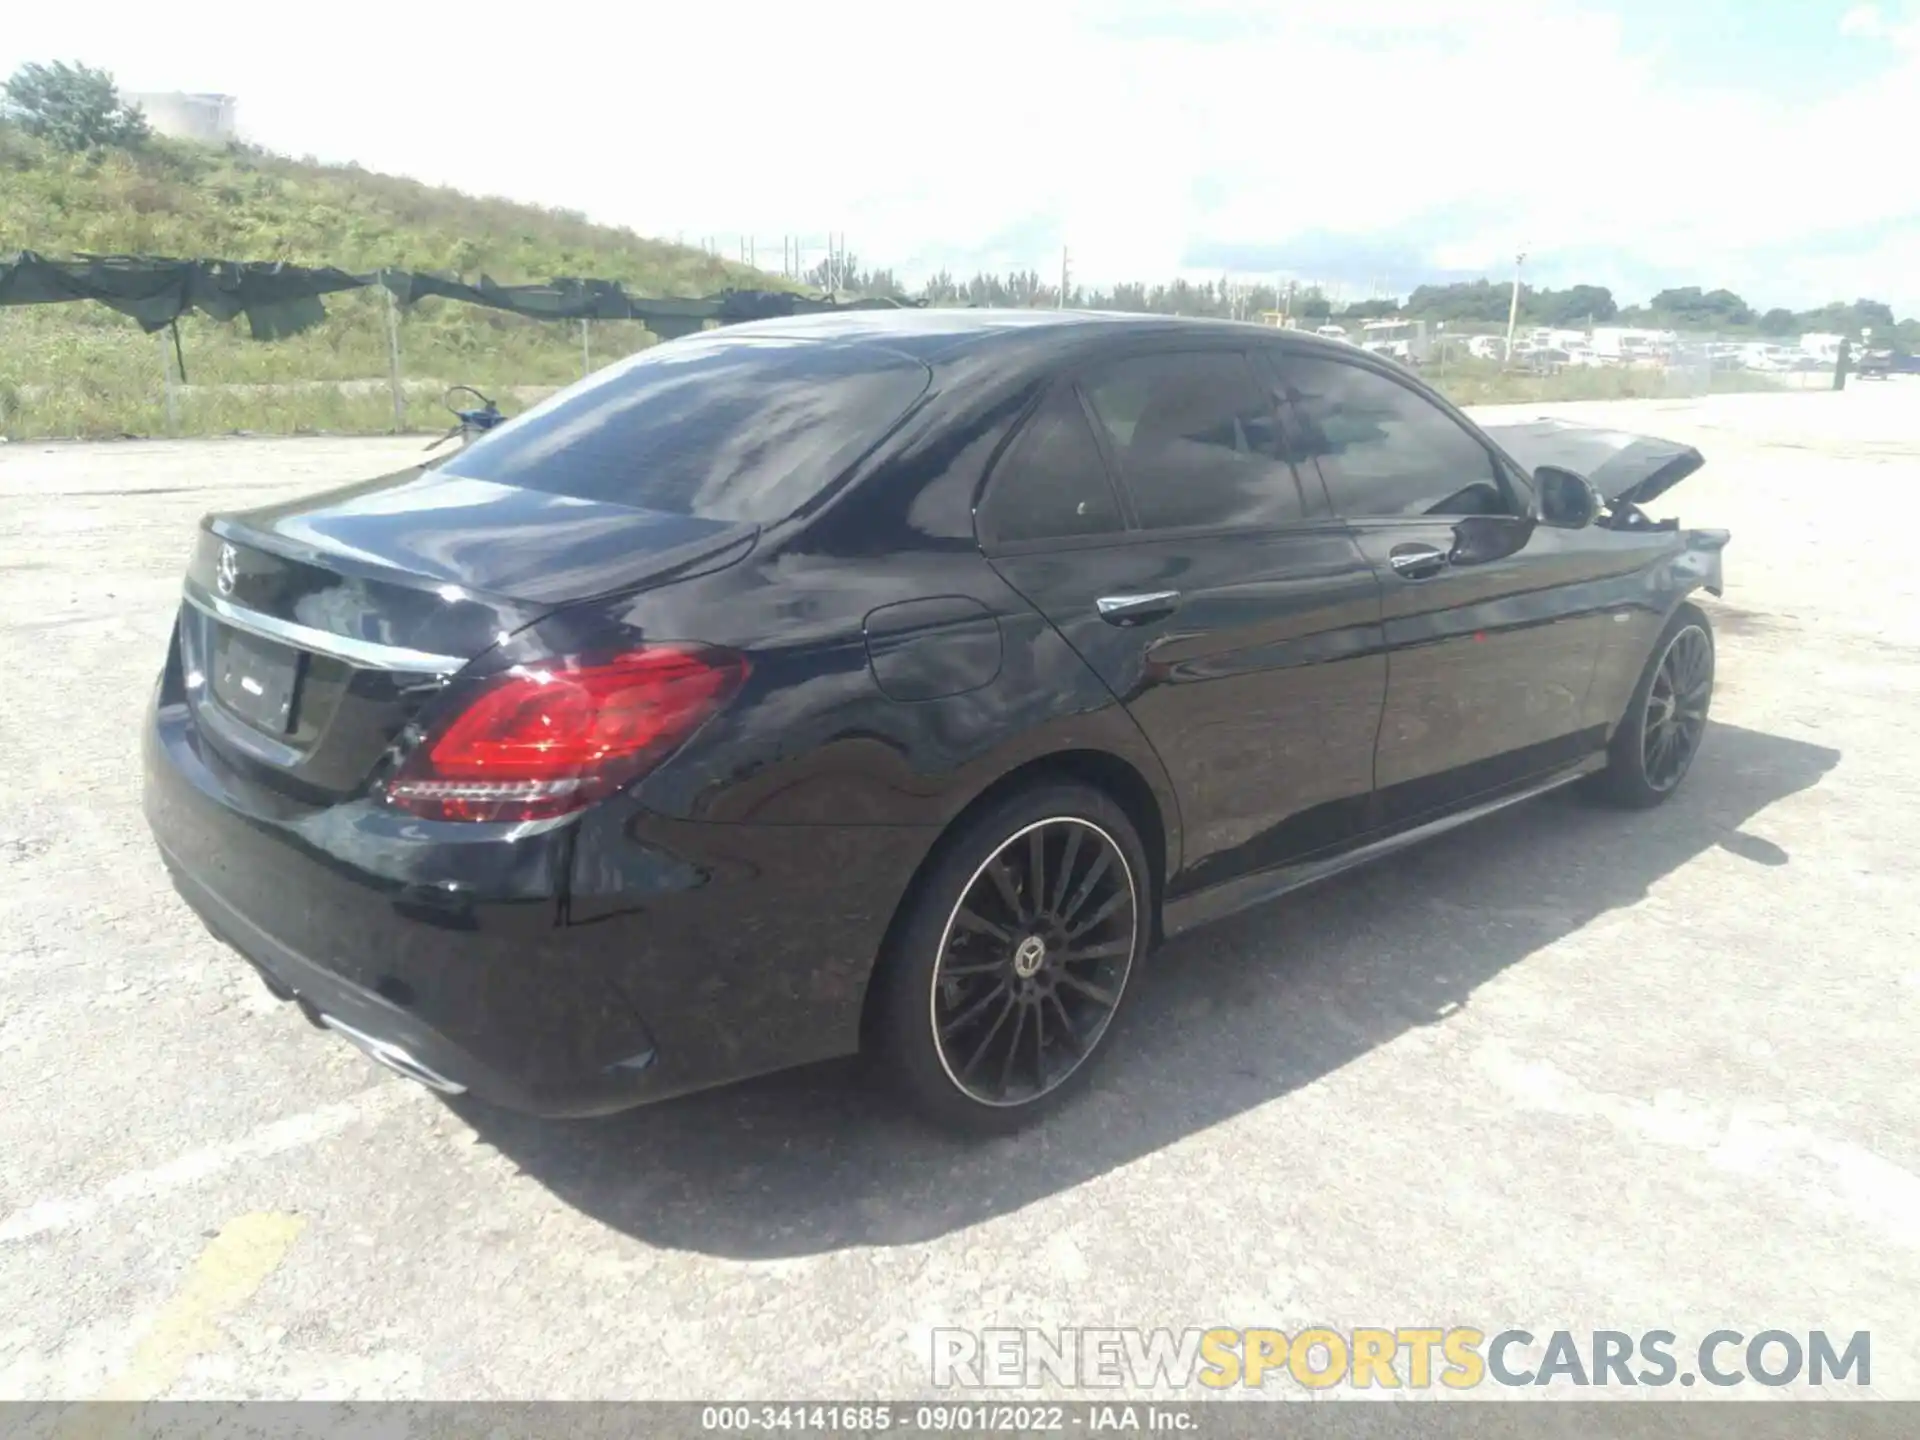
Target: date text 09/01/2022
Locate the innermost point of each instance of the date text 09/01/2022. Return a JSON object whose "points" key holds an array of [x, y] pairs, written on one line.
{"points": [[941, 1419]]}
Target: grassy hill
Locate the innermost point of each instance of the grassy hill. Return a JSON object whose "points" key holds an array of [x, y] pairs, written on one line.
{"points": [[81, 369]]}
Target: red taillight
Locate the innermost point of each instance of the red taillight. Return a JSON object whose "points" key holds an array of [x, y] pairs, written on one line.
{"points": [[542, 740]]}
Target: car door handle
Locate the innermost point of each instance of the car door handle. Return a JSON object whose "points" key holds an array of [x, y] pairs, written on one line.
{"points": [[1132, 609], [1417, 562]]}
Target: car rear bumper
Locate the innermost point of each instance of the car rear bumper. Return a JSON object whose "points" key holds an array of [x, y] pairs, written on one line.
{"points": [[401, 1041], [460, 978], [518, 963]]}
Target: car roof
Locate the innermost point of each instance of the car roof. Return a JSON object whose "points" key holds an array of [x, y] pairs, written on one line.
{"points": [[943, 333]]}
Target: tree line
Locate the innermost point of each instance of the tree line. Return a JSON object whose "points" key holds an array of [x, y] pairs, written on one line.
{"points": [[1469, 304]]}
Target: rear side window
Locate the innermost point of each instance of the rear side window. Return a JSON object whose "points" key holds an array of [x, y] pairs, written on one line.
{"points": [[1051, 484], [1385, 450], [724, 428], [1195, 441]]}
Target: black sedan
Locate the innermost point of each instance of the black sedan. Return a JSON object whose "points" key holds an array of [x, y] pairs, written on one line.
{"points": [[891, 682]]}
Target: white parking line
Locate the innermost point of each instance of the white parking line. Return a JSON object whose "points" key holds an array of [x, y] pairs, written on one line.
{"points": [[1748, 1141], [293, 1133]]}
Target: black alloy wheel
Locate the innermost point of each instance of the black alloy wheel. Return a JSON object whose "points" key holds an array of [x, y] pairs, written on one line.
{"points": [[1676, 715], [1013, 956], [1034, 961], [1657, 740]]}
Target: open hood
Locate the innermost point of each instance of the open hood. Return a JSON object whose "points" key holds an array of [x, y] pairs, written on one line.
{"points": [[1623, 467]]}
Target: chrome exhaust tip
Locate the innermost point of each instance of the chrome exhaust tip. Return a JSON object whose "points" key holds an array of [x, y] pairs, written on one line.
{"points": [[385, 1053]]}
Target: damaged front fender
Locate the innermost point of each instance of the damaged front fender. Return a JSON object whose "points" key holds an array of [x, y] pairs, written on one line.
{"points": [[1628, 471], [1700, 561]]}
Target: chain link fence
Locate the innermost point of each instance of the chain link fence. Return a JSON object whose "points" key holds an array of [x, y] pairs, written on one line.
{"points": [[1473, 368], [86, 372], [82, 371]]}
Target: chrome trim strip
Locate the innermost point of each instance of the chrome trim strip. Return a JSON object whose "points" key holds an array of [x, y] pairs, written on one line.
{"points": [[368, 653]]}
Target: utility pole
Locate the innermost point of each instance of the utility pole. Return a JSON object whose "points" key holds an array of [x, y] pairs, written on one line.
{"points": [[1065, 274], [166, 371], [393, 363], [1513, 306]]}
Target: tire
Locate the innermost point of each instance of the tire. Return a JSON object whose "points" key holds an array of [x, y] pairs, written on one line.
{"points": [[1643, 769], [993, 996]]}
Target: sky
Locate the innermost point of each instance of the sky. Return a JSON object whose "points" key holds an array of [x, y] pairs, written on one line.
{"points": [[1369, 145]]}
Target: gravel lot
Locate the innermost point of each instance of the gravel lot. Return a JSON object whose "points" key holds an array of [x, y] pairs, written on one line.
{"points": [[1566, 1069]]}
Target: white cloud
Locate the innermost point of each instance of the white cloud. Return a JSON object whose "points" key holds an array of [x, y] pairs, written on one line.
{"points": [[1870, 22], [1136, 131], [1864, 21]]}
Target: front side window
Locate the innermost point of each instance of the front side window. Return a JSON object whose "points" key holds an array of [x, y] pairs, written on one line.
{"points": [[1194, 440], [1385, 450], [1051, 484]]}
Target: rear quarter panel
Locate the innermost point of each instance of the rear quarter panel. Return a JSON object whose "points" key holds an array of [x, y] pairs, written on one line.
{"points": [[981, 684], [747, 884]]}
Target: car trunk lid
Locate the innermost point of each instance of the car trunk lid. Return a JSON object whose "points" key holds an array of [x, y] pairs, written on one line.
{"points": [[314, 632]]}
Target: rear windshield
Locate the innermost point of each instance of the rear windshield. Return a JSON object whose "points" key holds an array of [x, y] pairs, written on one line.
{"points": [[724, 429]]}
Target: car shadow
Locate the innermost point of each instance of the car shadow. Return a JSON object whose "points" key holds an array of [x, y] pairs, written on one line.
{"points": [[1228, 1018]]}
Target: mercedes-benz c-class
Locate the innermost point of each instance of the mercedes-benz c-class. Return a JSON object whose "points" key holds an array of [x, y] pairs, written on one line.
{"points": [[892, 682]]}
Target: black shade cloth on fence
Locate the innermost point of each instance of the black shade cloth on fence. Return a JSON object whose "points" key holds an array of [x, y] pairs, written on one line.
{"points": [[277, 299], [556, 300], [280, 299]]}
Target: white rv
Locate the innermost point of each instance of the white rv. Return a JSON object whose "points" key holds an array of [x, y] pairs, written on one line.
{"points": [[1625, 345], [1767, 357], [1823, 348], [1403, 340]]}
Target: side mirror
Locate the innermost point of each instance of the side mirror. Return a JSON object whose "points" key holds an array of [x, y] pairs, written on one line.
{"points": [[1567, 500]]}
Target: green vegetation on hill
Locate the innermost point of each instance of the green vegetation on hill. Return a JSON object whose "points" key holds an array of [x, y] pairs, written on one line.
{"points": [[82, 369]]}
